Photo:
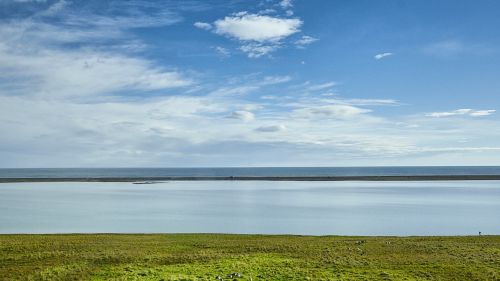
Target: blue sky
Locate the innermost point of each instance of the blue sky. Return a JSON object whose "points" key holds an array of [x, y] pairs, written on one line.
{"points": [[249, 83]]}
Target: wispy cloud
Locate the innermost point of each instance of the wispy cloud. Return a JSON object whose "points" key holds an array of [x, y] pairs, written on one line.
{"points": [[243, 88], [223, 52], [382, 55], [445, 48], [133, 14], [257, 50], [235, 90], [463, 112], [203, 25], [320, 87], [271, 80], [304, 41], [477, 113], [377, 102], [80, 71], [454, 48]]}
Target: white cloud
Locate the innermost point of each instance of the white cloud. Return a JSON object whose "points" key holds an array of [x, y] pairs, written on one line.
{"points": [[203, 25], [382, 55], [242, 115], [259, 34], [259, 28], [271, 128], [305, 40], [440, 114], [463, 112], [285, 4]]}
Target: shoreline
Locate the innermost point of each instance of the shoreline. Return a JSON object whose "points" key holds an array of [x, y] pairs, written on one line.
{"points": [[146, 180]]}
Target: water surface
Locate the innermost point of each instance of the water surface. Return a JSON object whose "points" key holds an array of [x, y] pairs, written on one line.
{"points": [[318, 208]]}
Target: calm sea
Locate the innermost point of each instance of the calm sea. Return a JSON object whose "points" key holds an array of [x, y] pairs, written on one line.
{"points": [[296, 171], [319, 208]]}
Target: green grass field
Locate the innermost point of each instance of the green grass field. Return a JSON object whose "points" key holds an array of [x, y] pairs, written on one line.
{"points": [[205, 256]]}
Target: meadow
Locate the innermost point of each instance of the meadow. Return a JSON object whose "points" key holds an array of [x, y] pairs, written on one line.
{"points": [[253, 257]]}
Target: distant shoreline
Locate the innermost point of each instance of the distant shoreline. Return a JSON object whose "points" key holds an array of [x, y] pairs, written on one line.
{"points": [[254, 178]]}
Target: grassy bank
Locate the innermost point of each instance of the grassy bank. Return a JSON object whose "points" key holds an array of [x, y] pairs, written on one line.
{"points": [[205, 256]]}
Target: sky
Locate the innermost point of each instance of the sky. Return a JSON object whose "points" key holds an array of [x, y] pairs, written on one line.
{"points": [[249, 83]]}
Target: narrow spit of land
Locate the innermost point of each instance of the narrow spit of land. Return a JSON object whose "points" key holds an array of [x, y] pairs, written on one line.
{"points": [[249, 257], [257, 178]]}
